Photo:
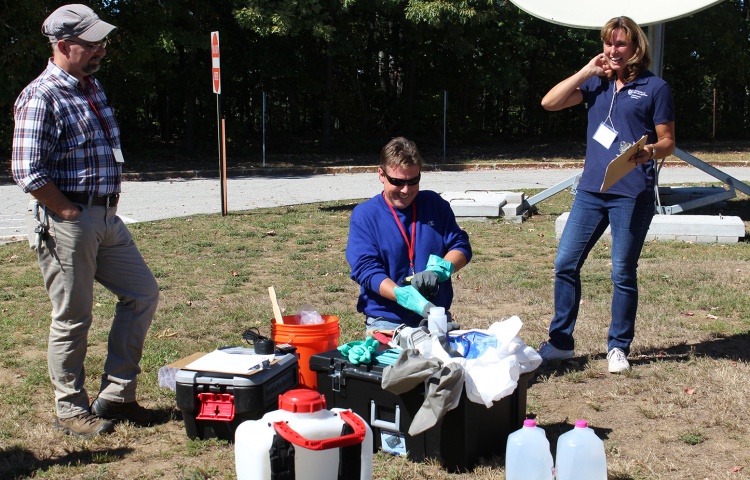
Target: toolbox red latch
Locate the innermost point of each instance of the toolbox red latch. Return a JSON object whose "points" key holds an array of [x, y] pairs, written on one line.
{"points": [[216, 406]]}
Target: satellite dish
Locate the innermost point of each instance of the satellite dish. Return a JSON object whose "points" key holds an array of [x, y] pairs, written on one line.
{"points": [[593, 14]]}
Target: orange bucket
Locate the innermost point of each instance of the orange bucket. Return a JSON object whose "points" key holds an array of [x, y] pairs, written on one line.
{"points": [[309, 340]]}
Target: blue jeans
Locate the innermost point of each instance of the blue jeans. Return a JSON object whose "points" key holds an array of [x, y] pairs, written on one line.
{"points": [[380, 323], [591, 213]]}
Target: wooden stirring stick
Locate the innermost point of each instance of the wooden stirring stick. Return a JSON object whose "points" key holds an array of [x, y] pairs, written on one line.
{"points": [[275, 303]]}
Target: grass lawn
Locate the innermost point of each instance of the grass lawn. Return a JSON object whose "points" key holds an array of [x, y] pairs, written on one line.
{"points": [[682, 412]]}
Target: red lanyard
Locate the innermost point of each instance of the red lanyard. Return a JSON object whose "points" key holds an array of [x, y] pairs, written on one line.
{"points": [[93, 107], [409, 245]]}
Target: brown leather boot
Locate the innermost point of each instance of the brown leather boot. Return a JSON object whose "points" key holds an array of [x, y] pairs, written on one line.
{"points": [[84, 425], [131, 412]]}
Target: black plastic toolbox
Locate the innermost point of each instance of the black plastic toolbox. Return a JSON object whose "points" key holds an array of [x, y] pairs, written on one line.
{"points": [[214, 404], [464, 435]]}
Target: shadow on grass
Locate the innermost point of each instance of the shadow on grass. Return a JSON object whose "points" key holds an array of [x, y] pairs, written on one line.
{"points": [[731, 347], [339, 208], [17, 463], [560, 368]]}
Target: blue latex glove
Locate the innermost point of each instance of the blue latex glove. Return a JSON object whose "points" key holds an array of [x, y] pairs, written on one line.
{"points": [[442, 268], [360, 352], [410, 298], [387, 357]]}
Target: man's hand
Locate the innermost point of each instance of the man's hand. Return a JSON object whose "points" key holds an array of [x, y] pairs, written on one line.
{"points": [[426, 309], [426, 283], [409, 298], [51, 197], [442, 268], [71, 213], [437, 270]]}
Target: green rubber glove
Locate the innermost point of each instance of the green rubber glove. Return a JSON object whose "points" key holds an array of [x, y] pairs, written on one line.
{"points": [[387, 357], [443, 268], [437, 270], [410, 298], [360, 352]]}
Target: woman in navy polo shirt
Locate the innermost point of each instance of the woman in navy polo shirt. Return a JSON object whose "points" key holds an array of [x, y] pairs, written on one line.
{"points": [[625, 101]]}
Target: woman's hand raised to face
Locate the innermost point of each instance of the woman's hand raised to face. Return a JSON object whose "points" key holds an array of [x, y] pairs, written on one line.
{"points": [[599, 66]]}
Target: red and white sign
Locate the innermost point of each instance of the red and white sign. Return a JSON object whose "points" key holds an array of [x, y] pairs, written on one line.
{"points": [[215, 68]]}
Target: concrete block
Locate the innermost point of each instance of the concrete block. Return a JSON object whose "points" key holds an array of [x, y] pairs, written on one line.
{"points": [[687, 228], [475, 203], [698, 225], [515, 197], [512, 209], [726, 240]]}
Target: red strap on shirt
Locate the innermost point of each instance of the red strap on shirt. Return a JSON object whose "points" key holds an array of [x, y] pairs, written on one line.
{"points": [[409, 245], [93, 107]]}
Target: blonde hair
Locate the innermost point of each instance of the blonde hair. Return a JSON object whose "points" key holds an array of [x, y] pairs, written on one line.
{"points": [[400, 152], [641, 59]]}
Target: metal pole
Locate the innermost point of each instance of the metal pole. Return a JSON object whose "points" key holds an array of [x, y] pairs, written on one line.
{"points": [[264, 128], [655, 37], [713, 133], [223, 165], [445, 120]]}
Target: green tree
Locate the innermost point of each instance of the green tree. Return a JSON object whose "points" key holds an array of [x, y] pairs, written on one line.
{"points": [[707, 52], [23, 57], [348, 74]]}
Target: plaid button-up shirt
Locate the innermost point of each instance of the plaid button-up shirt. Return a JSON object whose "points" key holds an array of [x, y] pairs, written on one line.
{"points": [[65, 133]]}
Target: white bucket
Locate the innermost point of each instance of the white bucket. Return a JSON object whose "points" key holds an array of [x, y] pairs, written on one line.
{"points": [[314, 432]]}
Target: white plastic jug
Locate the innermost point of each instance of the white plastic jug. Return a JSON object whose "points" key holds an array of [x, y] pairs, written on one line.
{"points": [[580, 454], [527, 454], [437, 320], [314, 432]]}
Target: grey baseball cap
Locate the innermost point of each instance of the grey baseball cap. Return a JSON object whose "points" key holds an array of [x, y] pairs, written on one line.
{"points": [[76, 20]]}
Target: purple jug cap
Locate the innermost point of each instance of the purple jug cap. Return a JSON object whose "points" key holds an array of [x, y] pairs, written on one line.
{"points": [[529, 422], [582, 424]]}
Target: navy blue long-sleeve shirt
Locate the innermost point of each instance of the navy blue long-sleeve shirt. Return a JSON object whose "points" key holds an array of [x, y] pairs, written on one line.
{"points": [[376, 250]]}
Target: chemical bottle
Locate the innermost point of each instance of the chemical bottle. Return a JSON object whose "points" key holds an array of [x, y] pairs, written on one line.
{"points": [[527, 454], [580, 454], [437, 320], [305, 440]]}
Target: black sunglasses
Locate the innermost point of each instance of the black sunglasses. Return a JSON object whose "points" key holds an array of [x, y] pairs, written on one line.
{"points": [[400, 182]]}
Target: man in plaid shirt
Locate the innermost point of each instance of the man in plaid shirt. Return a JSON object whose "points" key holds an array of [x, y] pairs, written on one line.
{"points": [[67, 155]]}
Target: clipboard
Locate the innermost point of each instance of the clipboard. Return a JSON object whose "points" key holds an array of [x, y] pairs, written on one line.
{"points": [[228, 361], [620, 166]]}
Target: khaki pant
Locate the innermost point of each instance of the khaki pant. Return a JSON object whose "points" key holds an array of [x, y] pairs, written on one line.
{"points": [[95, 246]]}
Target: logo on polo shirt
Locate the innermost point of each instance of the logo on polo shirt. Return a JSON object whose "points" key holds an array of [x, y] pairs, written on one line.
{"points": [[636, 94]]}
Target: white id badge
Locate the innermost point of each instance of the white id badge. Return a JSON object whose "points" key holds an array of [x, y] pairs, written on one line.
{"points": [[118, 155], [605, 135]]}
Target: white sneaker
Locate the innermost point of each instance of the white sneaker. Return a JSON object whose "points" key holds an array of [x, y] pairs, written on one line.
{"points": [[550, 353], [618, 361]]}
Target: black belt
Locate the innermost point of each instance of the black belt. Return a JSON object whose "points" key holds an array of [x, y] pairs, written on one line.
{"points": [[84, 198]]}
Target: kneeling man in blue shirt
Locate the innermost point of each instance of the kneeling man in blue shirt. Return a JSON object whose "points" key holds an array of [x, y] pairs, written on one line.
{"points": [[404, 244]]}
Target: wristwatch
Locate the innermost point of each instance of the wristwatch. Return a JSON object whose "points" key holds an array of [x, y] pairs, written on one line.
{"points": [[653, 151]]}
